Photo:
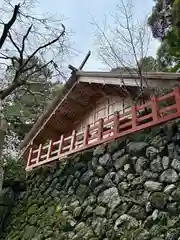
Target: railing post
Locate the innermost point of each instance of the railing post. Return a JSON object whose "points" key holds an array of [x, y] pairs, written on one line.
{"points": [[177, 98], [155, 110], [100, 129], [39, 153], [86, 135], [73, 140], [29, 157], [49, 149], [116, 123], [61, 145], [134, 116]]}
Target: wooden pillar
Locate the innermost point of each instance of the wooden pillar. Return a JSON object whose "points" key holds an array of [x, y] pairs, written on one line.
{"points": [[86, 135], [155, 110], [100, 129], [61, 143], [39, 153], [73, 140], [134, 116], [177, 98], [116, 123], [50, 148]]}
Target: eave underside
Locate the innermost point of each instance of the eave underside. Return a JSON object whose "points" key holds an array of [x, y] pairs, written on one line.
{"points": [[78, 103], [81, 99]]}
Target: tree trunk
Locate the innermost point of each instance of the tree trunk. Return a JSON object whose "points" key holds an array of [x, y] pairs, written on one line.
{"points": [[3, 128]]}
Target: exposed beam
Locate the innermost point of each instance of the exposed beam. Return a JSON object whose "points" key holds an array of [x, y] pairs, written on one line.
{"points": [[51, 131], [49, 113], [73, 99], [131, 82], [133, 75], [85, 94], [120, 91], [58, 125], [98, 89], [109, 81]]}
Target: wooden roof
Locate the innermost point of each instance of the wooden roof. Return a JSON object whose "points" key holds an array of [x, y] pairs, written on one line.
{"points": [[132, 75], [76, 99]]}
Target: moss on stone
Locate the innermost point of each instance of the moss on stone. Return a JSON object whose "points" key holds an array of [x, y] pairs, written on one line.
{"points": [[159, 200], [14, 175], [86, 198]]}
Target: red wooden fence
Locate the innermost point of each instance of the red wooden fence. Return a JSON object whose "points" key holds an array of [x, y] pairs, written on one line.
{"points": [[137, 118]]}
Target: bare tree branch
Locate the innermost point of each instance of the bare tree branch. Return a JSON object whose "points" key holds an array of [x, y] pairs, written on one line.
{"points": [[44, 46], [17, 83], [113, 55], [6, 92], [30, 48], [35, 93], [14, 43], [125, 44], [37, 70], [8, 25], [23, 44], [29, 58]]}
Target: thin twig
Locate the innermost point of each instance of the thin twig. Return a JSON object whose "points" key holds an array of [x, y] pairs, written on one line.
{"points": [[44, 46]]}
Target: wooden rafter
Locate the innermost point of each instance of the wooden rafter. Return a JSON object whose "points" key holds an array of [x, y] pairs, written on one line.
{"points": [[118, 126]]}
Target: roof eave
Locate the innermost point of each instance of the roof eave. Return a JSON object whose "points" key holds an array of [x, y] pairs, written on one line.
{"points": [[50, 109], [149, 75]]}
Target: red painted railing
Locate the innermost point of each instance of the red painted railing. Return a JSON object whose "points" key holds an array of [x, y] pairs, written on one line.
{"points": [[137, 118]]}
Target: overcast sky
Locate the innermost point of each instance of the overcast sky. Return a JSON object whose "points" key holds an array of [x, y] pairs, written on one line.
{"points": [[78, 19]]}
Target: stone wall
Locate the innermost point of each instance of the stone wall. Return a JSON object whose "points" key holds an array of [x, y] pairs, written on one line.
{"points": [[129, 189], [13, 184]]}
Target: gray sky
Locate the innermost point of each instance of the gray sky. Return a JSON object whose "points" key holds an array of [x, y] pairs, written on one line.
{"points": [[78, 19]]}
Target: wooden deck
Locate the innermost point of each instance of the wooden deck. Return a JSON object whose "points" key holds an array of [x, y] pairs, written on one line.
{"points": [[154, 112]]}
